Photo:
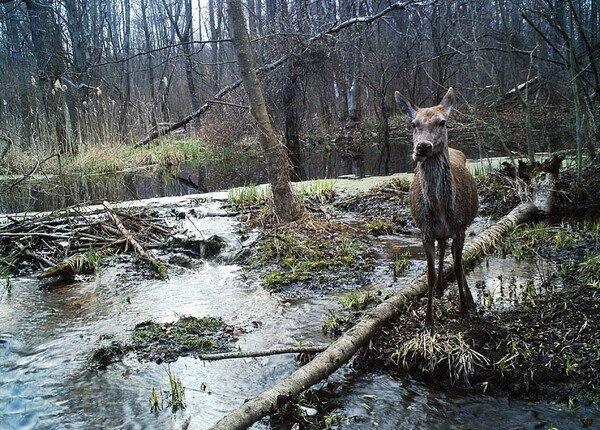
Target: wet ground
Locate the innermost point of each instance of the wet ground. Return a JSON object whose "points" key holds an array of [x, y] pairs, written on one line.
{"points": [[49, 331]]}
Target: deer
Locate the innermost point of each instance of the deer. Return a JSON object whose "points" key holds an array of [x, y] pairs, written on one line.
{"points": [[442, 197]]}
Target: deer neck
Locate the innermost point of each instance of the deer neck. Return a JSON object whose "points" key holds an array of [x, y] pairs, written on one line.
{"points": [[437, 187]]}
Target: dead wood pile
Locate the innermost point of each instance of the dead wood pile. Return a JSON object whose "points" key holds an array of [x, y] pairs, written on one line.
{"points": [[68, 242]]}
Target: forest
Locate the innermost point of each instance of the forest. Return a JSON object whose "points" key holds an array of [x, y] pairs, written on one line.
{"points": [[81, 73], [213, 215]]}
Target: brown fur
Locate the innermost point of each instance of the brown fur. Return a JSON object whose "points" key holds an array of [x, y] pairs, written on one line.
{"points": [[442, 197]]}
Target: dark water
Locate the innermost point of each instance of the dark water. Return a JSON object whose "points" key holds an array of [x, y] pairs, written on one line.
{"points": [[51, 193]]}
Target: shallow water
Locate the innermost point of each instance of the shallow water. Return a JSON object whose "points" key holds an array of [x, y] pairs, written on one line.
{"points": [[47, 332], [368, 402]]}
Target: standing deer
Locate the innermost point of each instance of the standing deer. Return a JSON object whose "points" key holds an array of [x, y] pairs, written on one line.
{"points": [[442, 197]]}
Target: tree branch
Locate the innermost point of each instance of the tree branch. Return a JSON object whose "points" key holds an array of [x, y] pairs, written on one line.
{"points": [[263, 352]]}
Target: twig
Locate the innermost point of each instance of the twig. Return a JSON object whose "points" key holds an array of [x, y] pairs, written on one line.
{"points": [[220, 102], [159, 267]]}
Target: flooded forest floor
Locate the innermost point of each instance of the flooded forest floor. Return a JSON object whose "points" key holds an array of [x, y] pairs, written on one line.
{"points": [[546, 345]]}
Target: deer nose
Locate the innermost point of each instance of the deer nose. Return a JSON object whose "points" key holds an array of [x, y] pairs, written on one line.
{"points": [[423, 148]]}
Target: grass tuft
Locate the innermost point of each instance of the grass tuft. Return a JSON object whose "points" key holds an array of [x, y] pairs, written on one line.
{"points": [[434, 354]]}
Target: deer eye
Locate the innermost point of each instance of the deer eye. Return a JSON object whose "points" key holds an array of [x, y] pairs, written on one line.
{"points": [[442, 123], [413, 124]]}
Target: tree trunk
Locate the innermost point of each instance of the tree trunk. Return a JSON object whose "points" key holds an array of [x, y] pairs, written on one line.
{"points": [[291, 111], [49, 55], [287, 205], [125, 71]]}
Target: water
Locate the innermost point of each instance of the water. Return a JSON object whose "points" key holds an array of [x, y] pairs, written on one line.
{"points": [[377, 401], [53, 192], [47, 332]]}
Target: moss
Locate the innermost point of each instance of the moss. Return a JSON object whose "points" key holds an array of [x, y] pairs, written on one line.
{"points": [[151, 341], [379, 227], [105, 355], [307, 257]]}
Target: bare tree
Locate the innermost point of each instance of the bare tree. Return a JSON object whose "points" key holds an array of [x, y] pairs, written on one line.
{"points": [[287, 205]]}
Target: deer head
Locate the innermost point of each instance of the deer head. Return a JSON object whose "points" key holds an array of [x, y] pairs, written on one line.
{"points": [[430, 136]]}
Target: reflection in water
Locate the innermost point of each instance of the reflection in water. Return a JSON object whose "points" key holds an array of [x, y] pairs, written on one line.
{"points": [[54, 193], [59, 192]]}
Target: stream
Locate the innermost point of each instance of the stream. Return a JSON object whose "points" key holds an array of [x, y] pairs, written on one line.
{"points": [[48, 331]]}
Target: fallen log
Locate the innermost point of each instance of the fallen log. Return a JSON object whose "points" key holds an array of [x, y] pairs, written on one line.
{"points": [[158, 266], [82, 263], [343, 348]]}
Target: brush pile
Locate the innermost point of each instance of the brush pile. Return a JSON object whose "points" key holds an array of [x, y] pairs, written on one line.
{"points": [[73, 241]]}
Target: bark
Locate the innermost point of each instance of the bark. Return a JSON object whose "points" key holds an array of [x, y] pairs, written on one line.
{"points": [[342, 349], [287, 205], [263, 353], [125, 71]]}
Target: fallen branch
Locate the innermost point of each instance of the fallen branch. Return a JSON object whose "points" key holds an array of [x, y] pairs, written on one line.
{"points": [[158, 266], [263, 352], [28, 175], [76, 264]]}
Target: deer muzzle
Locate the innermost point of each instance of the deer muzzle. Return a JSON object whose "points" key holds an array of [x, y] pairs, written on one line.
{"points": [[422, 150]]}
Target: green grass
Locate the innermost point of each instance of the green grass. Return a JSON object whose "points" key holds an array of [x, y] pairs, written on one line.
{"points": [[250, 195], [6, 280], [356, 301], [174, 397], [322, 189], [434, 353]]}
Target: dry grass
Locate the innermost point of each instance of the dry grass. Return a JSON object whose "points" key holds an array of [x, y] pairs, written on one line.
{"points": [[432, 353]]}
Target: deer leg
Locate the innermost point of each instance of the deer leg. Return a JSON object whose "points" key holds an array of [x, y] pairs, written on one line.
{"points": [[429, 247], [465, 298], [439, 285]]}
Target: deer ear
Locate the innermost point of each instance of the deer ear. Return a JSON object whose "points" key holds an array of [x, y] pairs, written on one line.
{"points": [[448, 100], [403, 101]]}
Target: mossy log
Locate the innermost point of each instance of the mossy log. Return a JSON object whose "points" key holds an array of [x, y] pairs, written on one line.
{"points": [[77, 264], [343, 348]]}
